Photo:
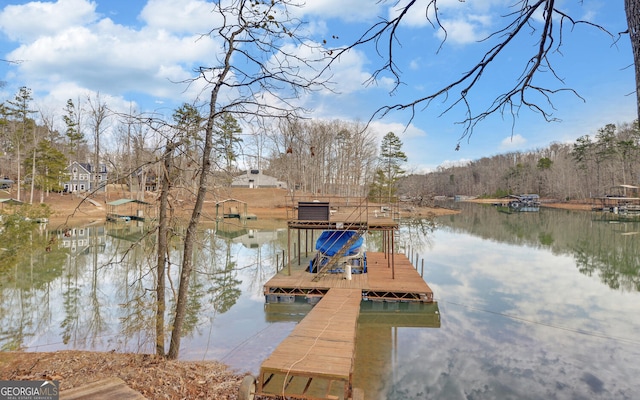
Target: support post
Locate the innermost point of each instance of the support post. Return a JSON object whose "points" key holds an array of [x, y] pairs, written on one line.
{"points": [[393, 264], [289, 250], [299, 247]]}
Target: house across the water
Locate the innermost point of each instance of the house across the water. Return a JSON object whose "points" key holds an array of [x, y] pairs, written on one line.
{"points": [[254, 178], [81, 178]]}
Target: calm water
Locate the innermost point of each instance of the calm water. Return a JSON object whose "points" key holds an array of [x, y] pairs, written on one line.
{"points": [[531, 306]]}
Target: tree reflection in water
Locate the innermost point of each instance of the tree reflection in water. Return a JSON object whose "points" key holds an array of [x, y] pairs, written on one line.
{"points": [[607, 250]]}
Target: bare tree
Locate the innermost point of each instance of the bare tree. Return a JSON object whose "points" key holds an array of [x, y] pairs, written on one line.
{"points": [[522, 22], [330, 157], [258, 75], [97, 118]]}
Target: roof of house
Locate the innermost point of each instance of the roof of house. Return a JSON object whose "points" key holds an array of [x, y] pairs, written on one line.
{"points": [[88, 167]]}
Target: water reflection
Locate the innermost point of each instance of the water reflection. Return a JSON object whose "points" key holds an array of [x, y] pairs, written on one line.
{"points": [[377, 344], [603, 249], [94, 288], [520, 318]]}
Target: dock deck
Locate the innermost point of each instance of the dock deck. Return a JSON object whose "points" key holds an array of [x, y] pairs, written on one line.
{"points": [[316, 359], [383, 282]]}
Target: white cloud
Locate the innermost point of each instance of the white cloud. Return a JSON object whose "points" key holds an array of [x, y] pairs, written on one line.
{"points": [[102, 56], [348, 73], [455, 163], [402, 131], [183, 16], [28, 22], [461, 31], [513, 142], [348, 10]]}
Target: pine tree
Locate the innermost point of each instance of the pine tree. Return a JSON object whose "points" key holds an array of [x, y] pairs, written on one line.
{"points": [[19, 110], [389, 170], [227, 131], [72, 121]]}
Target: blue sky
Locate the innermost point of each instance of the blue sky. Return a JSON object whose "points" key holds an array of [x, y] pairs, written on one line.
{"points": [[133, 52]]}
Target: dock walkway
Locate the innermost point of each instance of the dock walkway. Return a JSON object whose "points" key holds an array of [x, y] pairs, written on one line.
{"points": [[316, 359]]}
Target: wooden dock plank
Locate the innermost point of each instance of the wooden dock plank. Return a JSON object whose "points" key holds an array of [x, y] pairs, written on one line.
{"points": [[322, 345], [303, 387], [109, 388]]}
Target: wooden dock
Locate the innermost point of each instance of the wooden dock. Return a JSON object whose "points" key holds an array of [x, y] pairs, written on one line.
{"points": [[316, 360], [384, 281], [105, 389]]}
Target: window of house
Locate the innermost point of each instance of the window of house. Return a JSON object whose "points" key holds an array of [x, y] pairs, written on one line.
{"points": [[82, 187]]}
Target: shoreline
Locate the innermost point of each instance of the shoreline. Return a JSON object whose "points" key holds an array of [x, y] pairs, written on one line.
{"points": [[265, 203]]}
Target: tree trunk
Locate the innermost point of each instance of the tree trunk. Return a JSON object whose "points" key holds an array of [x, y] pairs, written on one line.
{"points": [[163, 246], [190, 236], [632, 8], [205, 168], [33, 170], [19, 169]]}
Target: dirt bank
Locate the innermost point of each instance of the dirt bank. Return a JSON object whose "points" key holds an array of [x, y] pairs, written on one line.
{"points": [[266, 204], [152, 376]]}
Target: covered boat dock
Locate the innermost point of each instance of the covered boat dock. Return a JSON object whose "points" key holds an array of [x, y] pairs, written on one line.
{"points": [[128, 210], [622, 199]]}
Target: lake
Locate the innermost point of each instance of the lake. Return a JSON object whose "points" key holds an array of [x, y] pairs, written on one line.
{"points": [[540, 305]]}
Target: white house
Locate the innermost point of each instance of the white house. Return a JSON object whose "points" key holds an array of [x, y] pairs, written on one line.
{"points": [[254, 178]]}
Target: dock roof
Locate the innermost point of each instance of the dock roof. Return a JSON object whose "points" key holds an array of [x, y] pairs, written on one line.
{"points": [[120, 202], [12, 202]]}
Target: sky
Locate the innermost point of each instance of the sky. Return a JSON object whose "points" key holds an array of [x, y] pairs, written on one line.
{"points": [[137, 54]]}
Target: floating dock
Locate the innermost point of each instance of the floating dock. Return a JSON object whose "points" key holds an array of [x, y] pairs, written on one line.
{"points": [[389, 277], [127, 210]]}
